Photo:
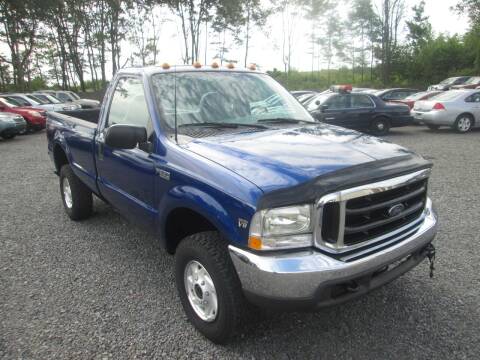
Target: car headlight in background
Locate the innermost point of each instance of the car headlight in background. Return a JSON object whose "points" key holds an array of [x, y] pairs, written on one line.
{"points": [[282, 228], [34, 113]]}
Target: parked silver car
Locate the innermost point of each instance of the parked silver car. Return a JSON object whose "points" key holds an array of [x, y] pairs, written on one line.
{"points": [[31, 100], [459, 109]]}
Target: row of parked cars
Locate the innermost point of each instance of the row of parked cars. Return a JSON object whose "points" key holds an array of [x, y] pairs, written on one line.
{"points": [[455, 102], [26, 112]]}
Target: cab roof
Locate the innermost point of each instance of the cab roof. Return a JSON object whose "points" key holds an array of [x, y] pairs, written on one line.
{"points": [[149, 70]]}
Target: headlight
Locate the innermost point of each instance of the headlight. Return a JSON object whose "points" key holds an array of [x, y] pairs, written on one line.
{"points": [[34, 113], [281, 228]]}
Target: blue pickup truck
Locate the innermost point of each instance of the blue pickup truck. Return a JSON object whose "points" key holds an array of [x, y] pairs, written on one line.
{"points": [[258, 203]]}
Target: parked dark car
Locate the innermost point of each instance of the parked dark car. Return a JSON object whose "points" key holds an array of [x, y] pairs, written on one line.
{"points": [[359, 111], [423, 95], [448, 83], [395, 94], [471, 83], [11, 125]]}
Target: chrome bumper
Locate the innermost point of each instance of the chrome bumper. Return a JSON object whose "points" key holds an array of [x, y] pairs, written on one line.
{"points": [[300, 276]]}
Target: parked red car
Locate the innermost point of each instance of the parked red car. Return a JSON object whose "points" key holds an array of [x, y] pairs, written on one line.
{"points": [[36, 118], [424, 95], [472, 83]]}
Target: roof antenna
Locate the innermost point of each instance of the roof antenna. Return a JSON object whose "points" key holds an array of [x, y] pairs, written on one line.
{"points": [[175, 102]]}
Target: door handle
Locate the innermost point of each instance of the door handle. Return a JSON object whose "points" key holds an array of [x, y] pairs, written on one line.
{"points": [[330, 118]]}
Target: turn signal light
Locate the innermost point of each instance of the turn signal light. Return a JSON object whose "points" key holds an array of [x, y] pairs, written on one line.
{"points": [[214, 65], [255, 242], [230, 66], [197, 65], [253, 67], [438, 106], [165, 66]]}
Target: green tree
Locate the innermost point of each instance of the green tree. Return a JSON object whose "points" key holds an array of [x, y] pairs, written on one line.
{"points": [[419, 27]]}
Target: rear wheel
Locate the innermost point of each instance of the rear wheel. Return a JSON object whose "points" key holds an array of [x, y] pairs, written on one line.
{"points": [[76, 197], [433, 127], [380, 126], [208, 285], [464, 123]]}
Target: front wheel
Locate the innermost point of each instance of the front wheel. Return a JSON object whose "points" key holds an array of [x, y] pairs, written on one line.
{"points": [[8, 136], [208, 286], [380, 126], [76, 196], [463, 124]]}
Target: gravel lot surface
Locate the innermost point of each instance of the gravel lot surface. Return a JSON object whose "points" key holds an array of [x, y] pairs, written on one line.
{"points": [[103, 288]]}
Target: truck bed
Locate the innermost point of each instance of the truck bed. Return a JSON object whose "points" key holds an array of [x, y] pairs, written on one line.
{"points": [[77, 130]]}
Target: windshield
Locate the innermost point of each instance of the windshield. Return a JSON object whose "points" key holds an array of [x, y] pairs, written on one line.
{"points": [[223, 97], [10, 103], [473, 80], [318, 100], [36, 99], [74, 95], [449, 95], [448, 81]]}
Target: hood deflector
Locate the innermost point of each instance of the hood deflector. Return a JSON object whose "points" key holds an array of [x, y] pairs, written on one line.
{"points": [[356, 175]]}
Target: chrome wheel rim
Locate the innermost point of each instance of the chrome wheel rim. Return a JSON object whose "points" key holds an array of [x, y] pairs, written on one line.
{"points": [[464, 124], [201, 291], [67, 193], [380, 126]]}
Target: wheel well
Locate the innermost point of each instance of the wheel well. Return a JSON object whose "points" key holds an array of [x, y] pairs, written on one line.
{"points": [[469, 114], [59, 157], [382, 116], [183, 222]]}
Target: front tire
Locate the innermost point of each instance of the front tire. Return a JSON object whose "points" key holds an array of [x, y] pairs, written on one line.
{"points": [[380, 126], [76, 197], [208, 286], [8, 136], [463, 124]]}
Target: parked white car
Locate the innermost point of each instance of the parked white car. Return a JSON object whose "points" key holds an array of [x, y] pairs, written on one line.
{"points": [[459, 109], [30, 100]]}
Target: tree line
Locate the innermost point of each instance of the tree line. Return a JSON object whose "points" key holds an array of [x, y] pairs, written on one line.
{"points": [[80, 43]]}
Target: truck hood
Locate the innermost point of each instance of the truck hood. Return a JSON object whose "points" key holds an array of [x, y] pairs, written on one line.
{"points": [[275, 159]]}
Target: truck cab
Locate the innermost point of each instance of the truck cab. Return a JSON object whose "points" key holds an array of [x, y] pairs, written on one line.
{"points": [[258, 202]]}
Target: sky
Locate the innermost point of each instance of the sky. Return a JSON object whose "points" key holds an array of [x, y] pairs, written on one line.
{"points": [[265, 47]]}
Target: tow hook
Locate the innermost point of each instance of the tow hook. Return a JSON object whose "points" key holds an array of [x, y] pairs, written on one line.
{"points": [[430, 252]]}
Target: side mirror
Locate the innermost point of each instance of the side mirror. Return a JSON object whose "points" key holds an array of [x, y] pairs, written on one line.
{"points": [[125, 136]]}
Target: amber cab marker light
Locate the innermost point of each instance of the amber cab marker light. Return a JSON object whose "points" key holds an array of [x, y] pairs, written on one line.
{"points": [[230, 66], [197, 65], [253, 67], [255, 242], [165, 66], [215, 65]]}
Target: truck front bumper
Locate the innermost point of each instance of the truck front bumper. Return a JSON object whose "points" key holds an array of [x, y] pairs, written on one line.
{"points": [[311, 278]]}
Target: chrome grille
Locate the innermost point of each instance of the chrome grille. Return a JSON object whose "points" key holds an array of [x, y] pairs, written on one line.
{"points": [[370, 215]]}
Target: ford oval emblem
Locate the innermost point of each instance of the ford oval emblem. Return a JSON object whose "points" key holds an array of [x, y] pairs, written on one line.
{"points": [[396, 210]]}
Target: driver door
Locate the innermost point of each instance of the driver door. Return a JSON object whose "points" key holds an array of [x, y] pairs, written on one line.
{"points": [[126, 177]]}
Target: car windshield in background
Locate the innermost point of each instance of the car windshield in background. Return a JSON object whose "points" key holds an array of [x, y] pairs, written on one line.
{"points": [[417, 96], [473, 80], [36, 99], [449, 95], [314, 103], [11, 103], [238, 98], [448, 81]]}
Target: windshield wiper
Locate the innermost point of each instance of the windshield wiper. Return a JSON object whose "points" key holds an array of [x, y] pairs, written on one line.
{"points": [[284, 121], [224, 125]]}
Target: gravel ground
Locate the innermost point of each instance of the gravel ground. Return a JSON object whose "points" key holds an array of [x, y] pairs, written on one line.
{"points": [[104, 289]]}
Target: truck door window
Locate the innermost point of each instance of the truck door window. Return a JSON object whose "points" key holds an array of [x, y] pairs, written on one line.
{"points": [[129, 106]]}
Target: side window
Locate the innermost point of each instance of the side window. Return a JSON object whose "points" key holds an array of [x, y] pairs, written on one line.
{"points": [[361, 101], [129, 106], [337, 102], [475, 98], [19, 100]]}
